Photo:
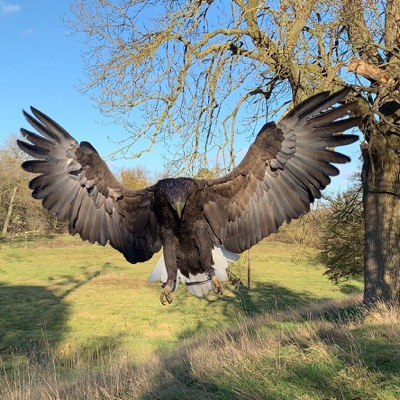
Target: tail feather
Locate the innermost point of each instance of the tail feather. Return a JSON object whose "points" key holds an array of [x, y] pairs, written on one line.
{"points": [[200, 284], [221, 258], [159, 272]]}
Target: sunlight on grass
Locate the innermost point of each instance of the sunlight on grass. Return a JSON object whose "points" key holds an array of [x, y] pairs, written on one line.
{"points": [[81, 321]]}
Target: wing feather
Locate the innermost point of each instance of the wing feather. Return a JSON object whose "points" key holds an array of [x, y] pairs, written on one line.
{"points": [[284, 170], [76, 184]]}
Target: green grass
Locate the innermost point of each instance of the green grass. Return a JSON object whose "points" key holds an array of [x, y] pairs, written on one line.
{"points": [[79, 322], [83, 296]]}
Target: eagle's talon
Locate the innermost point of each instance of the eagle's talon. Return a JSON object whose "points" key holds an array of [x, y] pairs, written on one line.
{"points": [[218, 287], [166, 295]]}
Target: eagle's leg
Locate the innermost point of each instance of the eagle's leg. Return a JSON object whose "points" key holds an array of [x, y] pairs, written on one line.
{"points": [[172, 271], [218, 287], [204, 246]]}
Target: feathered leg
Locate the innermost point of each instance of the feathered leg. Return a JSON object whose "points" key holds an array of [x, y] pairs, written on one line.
{"points": [[204, 245], [172, 271]]}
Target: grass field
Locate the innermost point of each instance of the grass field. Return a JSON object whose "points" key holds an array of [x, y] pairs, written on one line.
{"points": [[78, 321], [82, 296]]}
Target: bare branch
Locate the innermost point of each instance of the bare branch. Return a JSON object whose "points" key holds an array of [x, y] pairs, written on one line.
{"points": [[368, 71]]}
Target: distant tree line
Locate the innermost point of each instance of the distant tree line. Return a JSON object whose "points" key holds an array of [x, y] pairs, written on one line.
{"points": [[19, 212]]}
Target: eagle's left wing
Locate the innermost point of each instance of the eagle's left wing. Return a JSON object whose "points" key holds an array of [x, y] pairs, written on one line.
{"points": [[284, 170]]}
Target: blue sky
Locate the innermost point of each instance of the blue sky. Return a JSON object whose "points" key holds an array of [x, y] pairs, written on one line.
{"points": [[41, 66]]}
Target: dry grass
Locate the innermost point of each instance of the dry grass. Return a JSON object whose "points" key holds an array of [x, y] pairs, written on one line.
{"points": [[330, 352]]}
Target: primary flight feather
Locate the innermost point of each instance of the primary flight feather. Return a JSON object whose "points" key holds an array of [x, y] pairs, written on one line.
{"points": [[199, 223]]}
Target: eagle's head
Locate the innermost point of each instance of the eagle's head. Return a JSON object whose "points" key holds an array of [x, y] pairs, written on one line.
{"points": [[176, 191]]}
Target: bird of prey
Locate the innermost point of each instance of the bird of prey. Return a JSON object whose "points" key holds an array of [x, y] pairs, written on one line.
{"points": [[199, 223]]}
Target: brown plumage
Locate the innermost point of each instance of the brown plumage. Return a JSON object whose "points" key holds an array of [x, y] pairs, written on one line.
{"points": [[194, 220]]}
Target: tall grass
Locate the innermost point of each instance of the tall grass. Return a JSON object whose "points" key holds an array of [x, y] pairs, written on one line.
{"points": [[79, 322], [329, 352]]}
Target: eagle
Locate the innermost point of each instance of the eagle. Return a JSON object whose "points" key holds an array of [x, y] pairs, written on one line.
{"points": [[201, 224]]}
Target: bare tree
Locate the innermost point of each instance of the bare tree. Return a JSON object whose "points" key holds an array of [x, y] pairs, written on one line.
{"points": [[11, 179], [9, 212], [202, 72], [19, 212], [190, 68]]}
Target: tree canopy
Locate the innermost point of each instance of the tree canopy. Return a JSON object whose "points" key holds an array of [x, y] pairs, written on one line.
{"points": [[200, 73]]}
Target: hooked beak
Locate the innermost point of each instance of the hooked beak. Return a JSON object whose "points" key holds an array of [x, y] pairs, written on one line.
{"points": [[178, 207]]}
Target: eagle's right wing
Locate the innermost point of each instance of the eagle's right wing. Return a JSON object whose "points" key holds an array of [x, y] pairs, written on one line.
{"points": [[75, 183]]}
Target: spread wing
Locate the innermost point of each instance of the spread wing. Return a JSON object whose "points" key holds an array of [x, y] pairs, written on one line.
{"points": [[75, 183], [284, 170]]}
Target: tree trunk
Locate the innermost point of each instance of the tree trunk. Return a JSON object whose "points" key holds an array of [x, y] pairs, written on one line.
{"points": [[9, 212], [381, 199]]}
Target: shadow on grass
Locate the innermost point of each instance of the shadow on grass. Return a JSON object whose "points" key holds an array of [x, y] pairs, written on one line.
{"points": [[176, 380], [265, 297], [348, 288], [31, 318], [262, 298], [22, 240], [334, 363]]}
